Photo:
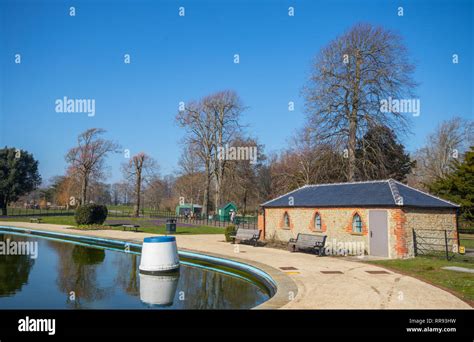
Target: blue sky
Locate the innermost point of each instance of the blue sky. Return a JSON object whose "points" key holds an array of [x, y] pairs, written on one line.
{"points": [[177, 59]]}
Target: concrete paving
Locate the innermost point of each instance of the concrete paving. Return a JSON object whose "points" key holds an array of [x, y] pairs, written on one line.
{"points": [[321, 282], [458, 269]]}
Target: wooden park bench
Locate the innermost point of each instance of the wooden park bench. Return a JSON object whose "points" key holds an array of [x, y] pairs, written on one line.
{"points": [[35, 219], [130, 227], [246, 235], [308, 242]]}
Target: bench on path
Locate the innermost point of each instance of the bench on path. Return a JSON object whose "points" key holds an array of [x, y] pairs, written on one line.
{"points": [[247, 235], [308, 242], [35, 219], [130, 227]]}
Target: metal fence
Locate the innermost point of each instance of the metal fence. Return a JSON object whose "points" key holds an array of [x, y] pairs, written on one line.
{"points": [[248, 222], [435, 242], [12, 211]]}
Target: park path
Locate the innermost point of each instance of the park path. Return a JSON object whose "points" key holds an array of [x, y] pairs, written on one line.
{"points": [[322, 282]]}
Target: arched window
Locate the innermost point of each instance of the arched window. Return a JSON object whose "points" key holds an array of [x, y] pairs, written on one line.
{"points": [[356, 224], [286, 220], [317, 222]]}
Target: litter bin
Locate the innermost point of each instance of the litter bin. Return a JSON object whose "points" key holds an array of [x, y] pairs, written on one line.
{"points": [[170, 226]]}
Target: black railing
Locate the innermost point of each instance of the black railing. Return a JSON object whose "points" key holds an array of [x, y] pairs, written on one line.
{"points": [[249, 222], [18, 212], [435, 242]]}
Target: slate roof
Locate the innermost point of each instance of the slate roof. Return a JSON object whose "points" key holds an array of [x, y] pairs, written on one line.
{"points": [[384, 193]]}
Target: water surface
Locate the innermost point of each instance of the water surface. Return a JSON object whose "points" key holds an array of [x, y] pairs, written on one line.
{"points": [[71, 276]]}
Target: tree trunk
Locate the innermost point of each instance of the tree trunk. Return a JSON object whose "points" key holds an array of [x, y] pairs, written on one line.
{"points": [[205, 203], [84, 190], [351, 149], [353, 121], [136, 209], [217, 200], [3, 205]]}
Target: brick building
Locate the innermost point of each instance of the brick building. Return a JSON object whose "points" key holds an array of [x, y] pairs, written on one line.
{"points": [[377, 216]]}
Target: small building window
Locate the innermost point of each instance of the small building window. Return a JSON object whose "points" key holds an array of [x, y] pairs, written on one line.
{"points": [[356, 224], [317, 222], [286, 220]]}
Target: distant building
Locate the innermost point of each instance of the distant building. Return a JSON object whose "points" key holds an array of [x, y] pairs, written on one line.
{"points": [[184, 209], [223, 213]]}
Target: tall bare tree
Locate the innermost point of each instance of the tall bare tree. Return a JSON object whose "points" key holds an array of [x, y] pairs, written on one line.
{"points": [[226, 108], [448, 142], [242, 177], [211, 123], [141, 168], [154, 192], [190, 179], [199, 124], [350, 78], [86, 160]]}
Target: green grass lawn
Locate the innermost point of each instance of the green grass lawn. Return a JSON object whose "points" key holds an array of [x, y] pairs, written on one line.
{"points": [[145, 225], [467, 240], [65, 220], [429, 269]]}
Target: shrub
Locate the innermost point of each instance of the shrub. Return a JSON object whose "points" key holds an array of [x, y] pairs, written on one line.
{"points": [[91, 214], [230, 230]]}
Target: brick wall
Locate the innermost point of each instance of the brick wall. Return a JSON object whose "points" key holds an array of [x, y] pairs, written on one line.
{"points": [[337, 225], [430, 223]]}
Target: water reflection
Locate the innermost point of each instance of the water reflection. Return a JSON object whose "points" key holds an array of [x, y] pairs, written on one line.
{"points": [[105, 279], [14, 269], [158, 289], [213, 291], [77, 273], [127, 274]]}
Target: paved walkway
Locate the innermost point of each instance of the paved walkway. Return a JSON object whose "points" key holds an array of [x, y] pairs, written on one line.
{"points": [[323, 283]]}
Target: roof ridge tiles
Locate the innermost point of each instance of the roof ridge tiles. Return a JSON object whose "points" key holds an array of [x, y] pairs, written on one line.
{"points": [[346, 183], [397, 199]]}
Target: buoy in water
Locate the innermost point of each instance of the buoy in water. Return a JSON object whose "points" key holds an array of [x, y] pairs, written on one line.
{"points": [[158, 289], [159, 255]]}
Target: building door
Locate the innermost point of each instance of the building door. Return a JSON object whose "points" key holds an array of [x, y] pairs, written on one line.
{"points": [[378, 233]]}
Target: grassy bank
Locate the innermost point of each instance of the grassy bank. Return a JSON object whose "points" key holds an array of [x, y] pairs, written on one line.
{"points": [[429, 269], [467, 240], [146, 225]]}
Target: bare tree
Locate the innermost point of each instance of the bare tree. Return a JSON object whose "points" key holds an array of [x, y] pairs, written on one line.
{"points": [[198, 122], [86, 160], [226, 108], [190, 180], [350, 78], [141, 168], [242, 176], [449, 142], [154, 192]]}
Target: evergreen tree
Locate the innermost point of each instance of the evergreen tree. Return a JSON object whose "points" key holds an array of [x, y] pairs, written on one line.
{"points": [[380, 156], [458, 187], [18, 175]]}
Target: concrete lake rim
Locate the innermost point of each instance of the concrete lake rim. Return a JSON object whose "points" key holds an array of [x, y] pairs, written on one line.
{"points": [[280, 287]]}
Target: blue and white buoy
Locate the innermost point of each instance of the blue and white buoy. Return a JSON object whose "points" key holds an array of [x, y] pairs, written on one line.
{"points": [[159, 254]]}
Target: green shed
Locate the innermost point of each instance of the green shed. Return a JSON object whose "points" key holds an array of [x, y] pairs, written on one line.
{"points": [[223, 213], [187, 208]]}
